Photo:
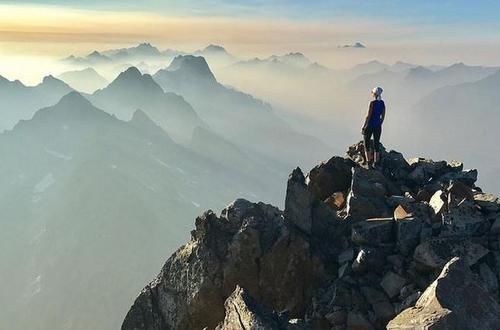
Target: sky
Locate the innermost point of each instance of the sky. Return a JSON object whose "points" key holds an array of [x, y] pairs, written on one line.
{"points": [[427, 32]]}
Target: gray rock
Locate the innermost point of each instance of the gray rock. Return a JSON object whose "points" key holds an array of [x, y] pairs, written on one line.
{"points": [[464, 220], [453, 301], [435, 253], [337, 317], [367, 197], [408, 232], [460, 191], [373, 231], [243, 312], [425, 169], [330, 177], [224, 252], [380, 304], [468, 177], [368, 259], [455, 165], [345, 256], [487, 202], [392, 284], [299, 202], [357, 321], [489, 278], [395, 166], [495, 227]]}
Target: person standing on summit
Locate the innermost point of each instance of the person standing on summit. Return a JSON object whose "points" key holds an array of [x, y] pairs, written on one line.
{"points": [[373, 127]]}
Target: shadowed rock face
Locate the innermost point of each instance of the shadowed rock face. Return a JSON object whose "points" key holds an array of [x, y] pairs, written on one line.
{"points": [[321, 265], [455, 300]]}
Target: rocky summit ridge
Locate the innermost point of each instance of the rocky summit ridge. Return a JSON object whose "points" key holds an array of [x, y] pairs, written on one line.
{"points": [[411, 245]]}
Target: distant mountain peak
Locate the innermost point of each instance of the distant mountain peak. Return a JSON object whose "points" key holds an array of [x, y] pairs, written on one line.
{"points": [[192, 66], [52, 82], [131, 73], [48, 79], [458, 65], [147, 49], [97, 56], [73, 99], [295, 54], [420, 70], [215, 48], [133, 79], [354, 45]]}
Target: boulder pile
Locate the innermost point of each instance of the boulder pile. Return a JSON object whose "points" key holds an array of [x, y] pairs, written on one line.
{"points": [[413, 244]]}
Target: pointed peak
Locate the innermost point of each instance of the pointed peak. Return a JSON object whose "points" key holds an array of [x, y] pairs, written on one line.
{"points": [[48, 79], [53, 82], [133, 81], [191, 65], [420, 69], [96, 56], [215, 48], [295, 54], [458, 65], [74, 99], [131, 73]]}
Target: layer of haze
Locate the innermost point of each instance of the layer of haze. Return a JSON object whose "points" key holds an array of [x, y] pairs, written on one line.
{"points": [[51, 32]]}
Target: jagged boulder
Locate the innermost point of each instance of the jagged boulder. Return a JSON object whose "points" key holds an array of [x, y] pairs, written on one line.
{"points": [[299, 202], [408, 231], [248, 245], [330, 177], [455, 300], [426, 169], [368, 193], [244, 312], [487, 202], [373, 231], [434, 254], [464, 220]]}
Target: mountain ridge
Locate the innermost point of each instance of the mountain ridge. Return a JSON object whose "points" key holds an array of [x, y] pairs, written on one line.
{"points": [[353, 248]]}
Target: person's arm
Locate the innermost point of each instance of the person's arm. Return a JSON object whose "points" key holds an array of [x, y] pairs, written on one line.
{"points": [[368, 116], [383, 114]]}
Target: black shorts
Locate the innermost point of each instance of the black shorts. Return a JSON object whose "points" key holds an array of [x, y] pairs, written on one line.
{"points": [[376, 132]]}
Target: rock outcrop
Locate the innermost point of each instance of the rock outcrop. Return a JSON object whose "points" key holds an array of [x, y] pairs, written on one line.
{"points": [[412, 245], [455, 300]]}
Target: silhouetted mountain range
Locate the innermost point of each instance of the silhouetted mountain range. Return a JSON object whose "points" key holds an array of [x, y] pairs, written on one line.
{"points": [[132, 90], [234, 115], [95, 200], [18, 101]]}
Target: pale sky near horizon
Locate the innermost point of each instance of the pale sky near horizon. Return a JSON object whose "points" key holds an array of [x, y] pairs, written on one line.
{"points": [[425, 32]]}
